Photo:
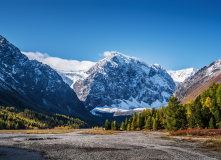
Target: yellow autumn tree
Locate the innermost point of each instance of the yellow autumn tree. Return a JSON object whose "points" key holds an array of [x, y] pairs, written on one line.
{"points": [[209, 104], [190, 107]]}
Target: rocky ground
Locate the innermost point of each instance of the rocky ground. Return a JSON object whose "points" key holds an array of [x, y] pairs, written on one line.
{"points": [[75, 145]]}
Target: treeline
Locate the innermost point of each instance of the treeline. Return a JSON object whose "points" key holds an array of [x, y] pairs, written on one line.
{"points": [[11, 118], [203, 112]]}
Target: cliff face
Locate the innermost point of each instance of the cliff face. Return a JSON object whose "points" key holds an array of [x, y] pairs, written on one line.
{"points": [[30, 84]]}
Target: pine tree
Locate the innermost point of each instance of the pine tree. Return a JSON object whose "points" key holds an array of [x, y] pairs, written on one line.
{"points": [[191, 121], [133, 125], [126, 123], [211, 123], [128, 127], [107, 125], [217, 117], [153, 112], [122, 126], [139, 122], [115, 125], [154, 124], [149, 123], [218, 96], [112, 125], [203, 112], [175, 115]]}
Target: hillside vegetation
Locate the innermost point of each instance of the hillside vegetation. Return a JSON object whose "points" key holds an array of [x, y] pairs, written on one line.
{"points": [[11, 118]]}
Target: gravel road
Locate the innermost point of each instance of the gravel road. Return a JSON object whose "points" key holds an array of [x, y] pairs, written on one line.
{"points": [[122, 146]]}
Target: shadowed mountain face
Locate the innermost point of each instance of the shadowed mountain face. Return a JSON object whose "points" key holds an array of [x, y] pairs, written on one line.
{"points": [[193, 86], [119, 82], [30, 84]]}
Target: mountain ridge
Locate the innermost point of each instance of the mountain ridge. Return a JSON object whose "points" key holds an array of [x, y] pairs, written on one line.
{"points": [[193, 86], [30, 84]]}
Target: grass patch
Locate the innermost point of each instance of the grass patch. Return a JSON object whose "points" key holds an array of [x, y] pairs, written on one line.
{"points": [[197, 132], [178, 140], [214, 145], [100, 132], [165, 138], [151, 131], [41, 131], [13, 131], [51, 131]]}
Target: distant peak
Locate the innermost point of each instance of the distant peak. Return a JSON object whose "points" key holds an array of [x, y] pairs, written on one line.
{"points": [[156, 65], [181, 75], [115, 53], [184, 70], [2, 39]]}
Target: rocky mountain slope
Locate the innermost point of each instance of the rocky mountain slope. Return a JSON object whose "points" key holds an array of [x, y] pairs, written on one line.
{"points": [[69, 70], [180, 75], [120, 83], [193, 86], [30, 84]]}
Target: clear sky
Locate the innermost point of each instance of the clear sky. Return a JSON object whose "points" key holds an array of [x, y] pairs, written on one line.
{"points": [[175, 34]]}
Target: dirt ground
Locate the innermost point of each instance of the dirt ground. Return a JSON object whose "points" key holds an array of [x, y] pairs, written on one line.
{"points": [[122, 146]]}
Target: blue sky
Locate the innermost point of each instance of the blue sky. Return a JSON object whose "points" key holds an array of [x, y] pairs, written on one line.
{"points": [[176, 34]]}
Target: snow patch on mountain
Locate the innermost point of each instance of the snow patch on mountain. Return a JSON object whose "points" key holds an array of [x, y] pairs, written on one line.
{"points": [[181, 75], [126, 105], [214, 67], [70, 70]]}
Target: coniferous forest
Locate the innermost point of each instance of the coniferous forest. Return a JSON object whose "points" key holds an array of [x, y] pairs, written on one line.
{"points": [[11, 118], [203, 112]]}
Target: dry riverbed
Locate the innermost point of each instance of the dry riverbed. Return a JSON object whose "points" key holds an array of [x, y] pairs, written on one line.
{"points": [[123, 145]]}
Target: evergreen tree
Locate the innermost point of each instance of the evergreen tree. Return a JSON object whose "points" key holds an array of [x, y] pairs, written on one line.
{"points": [[154, 124], [112, 125], [115, 126], [175, 115], [133, 125], [139, 122], [128, 127], [218, 96], [211, 123], [191, 121], [153, 112], [149, 124], [203, 112], [107, 125], [126, 123], [217, 117], [123, 126], [206, 116]]}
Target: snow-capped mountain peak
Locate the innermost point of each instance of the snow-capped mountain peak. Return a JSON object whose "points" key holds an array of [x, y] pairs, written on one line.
{"points": [[181, 75], [116, 58], [119, 82]]}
